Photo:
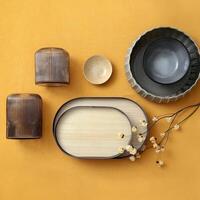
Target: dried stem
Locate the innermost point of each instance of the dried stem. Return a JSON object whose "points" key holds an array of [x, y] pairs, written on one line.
{"points": [[173, 116]]}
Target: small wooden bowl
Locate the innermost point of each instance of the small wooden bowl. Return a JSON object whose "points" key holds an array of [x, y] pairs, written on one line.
{"points": [[24, 116], [97, 69], [51, 67]]}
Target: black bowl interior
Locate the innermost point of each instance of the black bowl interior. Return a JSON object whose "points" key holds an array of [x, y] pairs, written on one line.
{"points": [[166, 61]]}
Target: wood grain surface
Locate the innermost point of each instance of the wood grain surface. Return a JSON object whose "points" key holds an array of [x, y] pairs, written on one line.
{"points": [[93, 132]]}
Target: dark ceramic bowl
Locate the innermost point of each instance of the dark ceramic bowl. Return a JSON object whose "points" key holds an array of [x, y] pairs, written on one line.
{"points": [[163, 65], [166, 61]]}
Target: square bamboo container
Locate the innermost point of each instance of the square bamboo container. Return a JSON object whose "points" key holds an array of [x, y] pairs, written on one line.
{"points": [[51, 67], [24, 116]]}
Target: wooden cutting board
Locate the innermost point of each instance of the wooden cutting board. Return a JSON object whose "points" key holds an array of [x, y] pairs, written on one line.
{"points": [[93, 132]]}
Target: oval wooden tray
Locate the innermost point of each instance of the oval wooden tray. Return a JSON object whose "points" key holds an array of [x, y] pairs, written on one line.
{"points": [[133, 111], [93, 132]]}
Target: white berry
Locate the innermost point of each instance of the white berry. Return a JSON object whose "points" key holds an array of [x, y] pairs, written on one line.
{"points": [[176, 127], [154, 119], [132, 158], [134, 129]]}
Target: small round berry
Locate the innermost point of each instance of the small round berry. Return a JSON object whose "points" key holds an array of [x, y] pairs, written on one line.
{"points": [[120, 135], [143, 123], [152, 139], [140, 138], [162, 134], [160, 163], [133, 151], [155, 145], [129, 148], [158, 150], [134, 129], [176, 126], [121, 150], [162, 148], [154, 119], [132, 158], [169, 119]]}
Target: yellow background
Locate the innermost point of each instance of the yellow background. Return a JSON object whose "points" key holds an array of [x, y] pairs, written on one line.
{"points": [[37, 169]]}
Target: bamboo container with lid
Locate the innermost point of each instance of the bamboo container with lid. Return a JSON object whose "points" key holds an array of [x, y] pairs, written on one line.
{"points": [[24, 116], [51, 67]]}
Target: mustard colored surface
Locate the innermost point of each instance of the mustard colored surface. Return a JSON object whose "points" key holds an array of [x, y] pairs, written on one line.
{"points": [[37, 169]]}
